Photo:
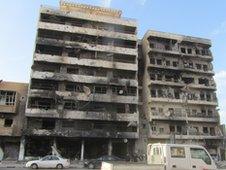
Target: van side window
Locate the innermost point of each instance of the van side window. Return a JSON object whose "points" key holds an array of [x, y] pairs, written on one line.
{"points": [[177, 152], [197, 153]]}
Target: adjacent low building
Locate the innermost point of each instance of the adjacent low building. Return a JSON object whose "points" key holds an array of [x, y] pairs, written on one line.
{"points": [[12, 107], [178, 90]]}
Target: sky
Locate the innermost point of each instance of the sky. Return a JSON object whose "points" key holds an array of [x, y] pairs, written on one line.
{"points": [[200, 18]]}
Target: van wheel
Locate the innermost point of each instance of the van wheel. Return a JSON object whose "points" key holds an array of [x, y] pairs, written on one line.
{"points": [[34, 166], [59, 166]]}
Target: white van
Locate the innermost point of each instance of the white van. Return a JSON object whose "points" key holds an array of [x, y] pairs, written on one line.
{"points": [[181, 157], [169, 157]]}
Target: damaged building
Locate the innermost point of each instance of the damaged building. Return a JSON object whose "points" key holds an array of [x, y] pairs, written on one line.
{"points": [[83, 96], [12, 107], [178, 91]]}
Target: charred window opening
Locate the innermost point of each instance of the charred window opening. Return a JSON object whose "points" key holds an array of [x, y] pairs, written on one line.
{"points": [[197, 51], [124, 58], [167, 63], [212, 131], [159, 77], [7, 98], [205, 67], [152, 45], [43, 85], [172, 129], [188, 80], [68, 124], [48, 49], [205, 130], [8, 123], [100, 72], [121, 108], [86, 71], [71, 105], [204, 81], [152, 60], [41, 66], [71, 52], [41, 103], [153, 93], [160, 93], [74, 87], [202, 96], [175, 63], [48, 124], [177, 94], [189, 50], [124, 74], [159, 62], [183, 50], [72, 70], [100, 89], [208, 97], [199, 66], [152, 76]]}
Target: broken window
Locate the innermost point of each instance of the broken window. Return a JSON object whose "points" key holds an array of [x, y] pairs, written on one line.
{"points": [[167, 63], [159, 62], [177, 94], [87, 71], [101, 72], [152, 76], [197, 51], [210, 113], [171, 111], [119, 90], [8, 122], [152, 60], [183, 50], [48, 124], [153, 93], [208, 97], [131, 91], [152, 45], [68, 124], [44, 85], [121, 108], [160, 94], [175, 63], [202, 96], [168, 77], [7, 97], [205, 67], [212, 131], [172, 128], [205, 130], [179, 129], [188, 80], [71, 105], [72, 70], [189, 50], [153, 128], [100, 89], [159, 77], [41, 103], [204, 81], [199, 66], [167, 47]]}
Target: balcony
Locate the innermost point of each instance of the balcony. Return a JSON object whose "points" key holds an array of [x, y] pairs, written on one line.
{"points": [[84, 62], [82, 78], [87, 31], [81, 115], [86, 46], [183, 117], [178, 137], [82, 133], [180, 101], [83, 97], [181, 84]]}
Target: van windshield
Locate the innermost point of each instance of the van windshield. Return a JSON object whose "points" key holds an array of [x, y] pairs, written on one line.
{"points": [[198, 153]]}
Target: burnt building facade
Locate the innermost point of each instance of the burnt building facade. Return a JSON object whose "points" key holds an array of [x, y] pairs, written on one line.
{"points": [[178, 91], [83, 93], [12, 107]]}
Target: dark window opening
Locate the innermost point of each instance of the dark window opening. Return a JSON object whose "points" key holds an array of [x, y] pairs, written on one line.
{"points": [[100, 89], [167, 63], [159, 62], [121, 109], [172, 129], [153, 93], [188, 80], [175, 64], [8, 122], [183, 50], [205, 130], [205, 67], [189, 50], [48, 124], [152, 60], [199, 66], [72, 70]]}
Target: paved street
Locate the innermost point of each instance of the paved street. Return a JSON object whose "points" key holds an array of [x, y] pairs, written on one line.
{"points": [[44, 169]]}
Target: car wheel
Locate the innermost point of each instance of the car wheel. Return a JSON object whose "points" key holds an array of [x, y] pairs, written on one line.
{"points": [[34, 166], [59, 166], [91, 166]]}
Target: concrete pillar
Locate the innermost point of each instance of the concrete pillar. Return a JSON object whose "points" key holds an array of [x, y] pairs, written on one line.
{"points": [[82, 150], [109, 147], [22, 149]]}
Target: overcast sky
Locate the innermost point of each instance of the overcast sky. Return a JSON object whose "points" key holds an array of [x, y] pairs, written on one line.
{"points": [[201, 18]]}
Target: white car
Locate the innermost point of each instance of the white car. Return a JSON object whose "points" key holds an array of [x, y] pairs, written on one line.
{"points": [[49, 161]]}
